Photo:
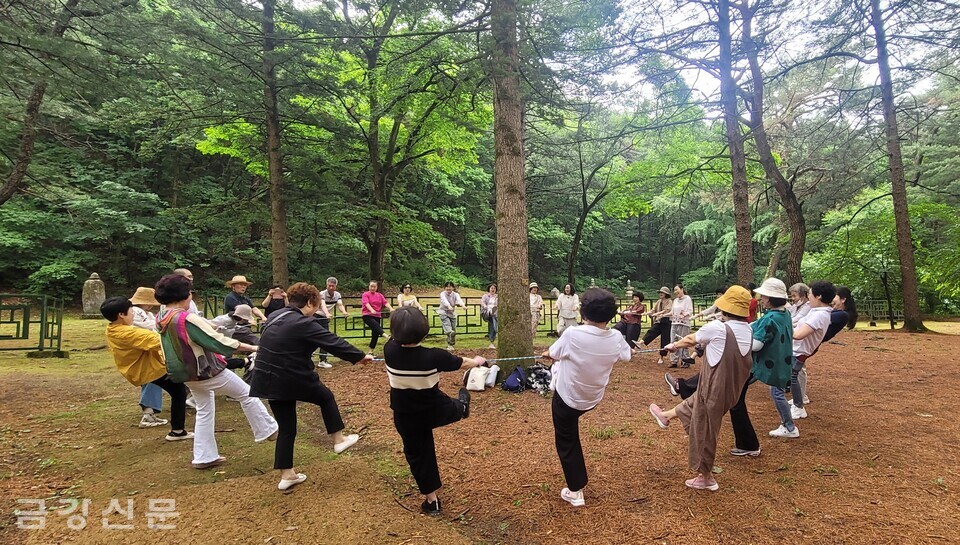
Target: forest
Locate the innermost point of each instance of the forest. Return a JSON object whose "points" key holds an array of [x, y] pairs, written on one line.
{"points": [[707, 142]]}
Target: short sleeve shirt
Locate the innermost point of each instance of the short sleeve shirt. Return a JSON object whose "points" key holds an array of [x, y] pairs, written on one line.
{"points": [[713, 335], [773, 362]]}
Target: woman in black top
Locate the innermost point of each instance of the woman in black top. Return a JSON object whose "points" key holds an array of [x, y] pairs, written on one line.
{"points": [[415, 397], [284, 373]]}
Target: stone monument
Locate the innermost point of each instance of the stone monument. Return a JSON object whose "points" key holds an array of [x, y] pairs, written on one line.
{"points": [[94, 294], [629, 290]]}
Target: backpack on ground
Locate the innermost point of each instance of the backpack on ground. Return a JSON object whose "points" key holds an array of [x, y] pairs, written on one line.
{"points": [[516, 381]]}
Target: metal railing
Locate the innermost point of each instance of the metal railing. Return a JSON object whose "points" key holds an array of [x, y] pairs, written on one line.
{"points": [[30, 322]]}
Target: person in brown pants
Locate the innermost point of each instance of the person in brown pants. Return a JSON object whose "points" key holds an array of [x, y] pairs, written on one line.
{"points": [[728, 352]]}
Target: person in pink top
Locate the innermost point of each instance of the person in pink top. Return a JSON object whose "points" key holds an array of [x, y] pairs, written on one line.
{"points": [[373, 302]]}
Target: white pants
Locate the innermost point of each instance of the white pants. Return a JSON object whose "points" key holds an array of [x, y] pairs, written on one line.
{"points": [[226, 383], [564, 323]]}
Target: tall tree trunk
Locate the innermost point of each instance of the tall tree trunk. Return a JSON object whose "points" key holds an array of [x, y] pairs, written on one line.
{"points": [[908, 268], [738, 162], [31, 117], [516, 336], [278, 207], [788, 199]]}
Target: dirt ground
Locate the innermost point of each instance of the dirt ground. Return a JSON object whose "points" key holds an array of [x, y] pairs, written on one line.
{"points": [[877, 461]]}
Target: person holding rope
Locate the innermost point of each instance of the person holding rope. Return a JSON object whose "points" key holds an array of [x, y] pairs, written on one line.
{"points": [[447, 311], [727, 345], [680, 313], [660, 314], [373, 302], [583, 358], [629, 324], [568, 303], [285, 374], [419, 406]]}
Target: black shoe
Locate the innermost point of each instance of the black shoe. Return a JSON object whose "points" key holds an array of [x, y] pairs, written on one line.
{"points": [[432, 509], [464, 398]]}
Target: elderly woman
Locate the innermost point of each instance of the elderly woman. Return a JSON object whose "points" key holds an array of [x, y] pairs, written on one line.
{"points": [[568, 304], [660, 314], [285, 374], [536, 307], [194, 354]]}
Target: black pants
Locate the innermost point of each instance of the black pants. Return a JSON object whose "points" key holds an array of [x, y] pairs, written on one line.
{"points": [[325, 322], [566, 432], [376, 329], [285, 411], [178, 400], [662, 329], [416, 432], [743, 433]]}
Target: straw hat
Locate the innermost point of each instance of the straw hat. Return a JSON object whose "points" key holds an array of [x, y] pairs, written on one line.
{"points": [[533, 285], [736, 301], [772, 287], [243, 311], [144, 296], [665, 290], [239, 279]]}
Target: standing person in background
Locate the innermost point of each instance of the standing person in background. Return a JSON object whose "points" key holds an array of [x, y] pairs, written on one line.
{"points": [[447, 311], [660, 314], [680, 313], [373, 302], [536, 307], [329, 298], [754, 302], [629, 324], [151, 395], [568, 304], [800, 301], [275, 300], [285, 375], [238, 288], [407, 298], [193, 305], [488, 311]]}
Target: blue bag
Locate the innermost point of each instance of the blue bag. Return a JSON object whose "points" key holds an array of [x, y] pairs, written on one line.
{"points": [[516, 382]]}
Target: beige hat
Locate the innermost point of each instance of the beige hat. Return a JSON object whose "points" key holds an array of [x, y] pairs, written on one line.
{"points": [[534, 285], [144, 296], [243, 311], [665, 290], [239, 279], [772, 287], [736, 301]]}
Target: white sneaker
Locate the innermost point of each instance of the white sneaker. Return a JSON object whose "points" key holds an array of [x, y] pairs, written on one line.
{"points": [[450, 348], [324, 365], [492, 346], [797, 412], [151, 421], [806, 400], [348, 442], [573, 498], [191, 403], [782, 431]]}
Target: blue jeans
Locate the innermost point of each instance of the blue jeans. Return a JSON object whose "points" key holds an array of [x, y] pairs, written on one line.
{"points": [[492, 328], [795, 386], [151, 396], [780, 402]]}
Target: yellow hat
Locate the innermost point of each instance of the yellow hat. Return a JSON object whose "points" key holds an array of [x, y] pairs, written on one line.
{"points": [[736, 301], [144, 296]]}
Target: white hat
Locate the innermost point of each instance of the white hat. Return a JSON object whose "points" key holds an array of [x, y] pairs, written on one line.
{"points": [[772, 287], [244, 311], [533, 285]]}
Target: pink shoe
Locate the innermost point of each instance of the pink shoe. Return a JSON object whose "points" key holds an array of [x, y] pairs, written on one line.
{"points": [[701, 483], [657, 413]]}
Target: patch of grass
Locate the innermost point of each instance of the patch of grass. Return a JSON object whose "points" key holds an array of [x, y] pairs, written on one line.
{"points": [[784, 480], [506, 407], [941, 483], [826, 470], [603, 433], [797, 512]]}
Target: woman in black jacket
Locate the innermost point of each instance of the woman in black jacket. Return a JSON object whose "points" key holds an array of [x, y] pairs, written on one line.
{"points": [[284, 373]]}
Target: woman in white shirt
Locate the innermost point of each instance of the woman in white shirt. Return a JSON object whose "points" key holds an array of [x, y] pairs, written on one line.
{"points": [[680, 314], [536, 307], [568, 303], [800, 301]]}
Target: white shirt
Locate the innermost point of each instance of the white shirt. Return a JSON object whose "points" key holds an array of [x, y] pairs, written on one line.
{"points": [[449, 302], [143, 319], [713, 336], [568, 305], [681, 310], [536, 302], [585, 356], [799, 311], [819, 320]]}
